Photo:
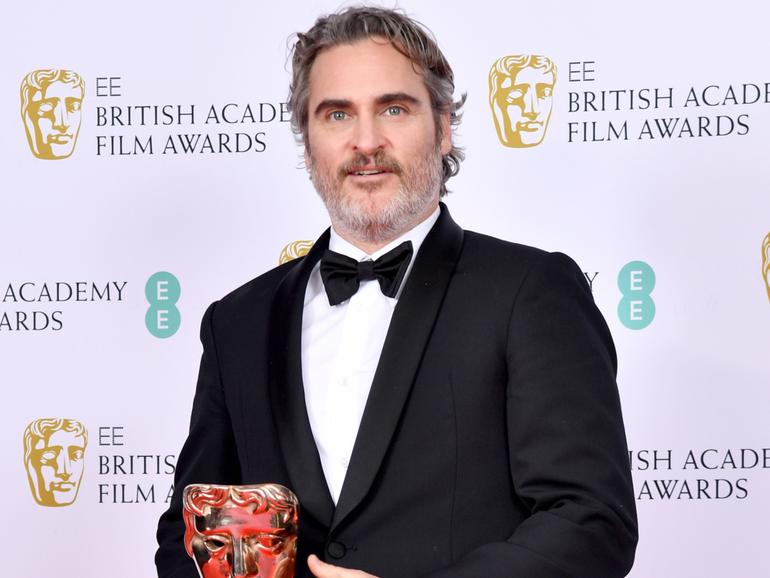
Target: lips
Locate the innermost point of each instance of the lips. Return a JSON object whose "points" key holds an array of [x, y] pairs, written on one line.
{"points": [[530, 126], [370, 166], [367, 171], [60, 138]]}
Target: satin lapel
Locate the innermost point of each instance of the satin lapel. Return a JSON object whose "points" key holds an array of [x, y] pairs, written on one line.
{"points": [[410, 329], [287, 394]]}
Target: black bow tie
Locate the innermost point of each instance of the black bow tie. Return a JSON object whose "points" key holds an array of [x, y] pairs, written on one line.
{"points": [[342, 275]]}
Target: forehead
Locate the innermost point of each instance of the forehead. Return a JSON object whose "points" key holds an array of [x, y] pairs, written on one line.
{"points": [[60, 89], [532, 75], [238, 520], [61, 438], [363, 70]]}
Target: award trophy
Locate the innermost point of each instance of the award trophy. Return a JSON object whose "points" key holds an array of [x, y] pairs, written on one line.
{"points": [[241, 531]]}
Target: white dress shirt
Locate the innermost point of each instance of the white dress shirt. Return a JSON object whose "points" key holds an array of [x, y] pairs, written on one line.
{"points": [[341, 348]]}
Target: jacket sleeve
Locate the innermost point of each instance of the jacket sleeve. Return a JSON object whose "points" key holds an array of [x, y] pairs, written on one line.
{"points": [[567, 447], [208, 456]]}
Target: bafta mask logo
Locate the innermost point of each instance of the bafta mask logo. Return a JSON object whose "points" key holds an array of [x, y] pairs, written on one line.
{"points": [[241, 531], [294, 250], [521, 98], [766, 263], [53, 457], [51, 100]]}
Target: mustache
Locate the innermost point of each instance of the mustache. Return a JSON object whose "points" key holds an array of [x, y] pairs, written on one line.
{"points": [[379, 159]]}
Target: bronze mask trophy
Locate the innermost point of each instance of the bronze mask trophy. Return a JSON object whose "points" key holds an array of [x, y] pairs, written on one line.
{"points": [[241, 531]]}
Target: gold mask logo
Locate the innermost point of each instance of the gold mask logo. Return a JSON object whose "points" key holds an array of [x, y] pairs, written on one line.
{"points": [[521, 98], [766, 263], [294, 250], [51, 101], [54, 449]]}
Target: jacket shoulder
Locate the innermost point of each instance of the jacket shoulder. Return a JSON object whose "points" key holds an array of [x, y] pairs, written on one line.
{"points": [[258, 290], [498, 247], [499, 257]]}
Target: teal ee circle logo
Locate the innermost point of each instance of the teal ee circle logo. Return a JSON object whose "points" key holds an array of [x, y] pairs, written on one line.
{"points": [[162, 291], [636, 281]]}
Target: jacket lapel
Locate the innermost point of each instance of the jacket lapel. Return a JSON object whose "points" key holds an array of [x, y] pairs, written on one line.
{"points": [[409, 332], [287, 394]]}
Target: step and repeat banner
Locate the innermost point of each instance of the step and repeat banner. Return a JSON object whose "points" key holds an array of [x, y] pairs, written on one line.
{"points": [[148, 169]]}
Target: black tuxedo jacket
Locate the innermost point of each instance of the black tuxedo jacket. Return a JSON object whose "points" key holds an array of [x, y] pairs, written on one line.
{"points": [[492, 443]]}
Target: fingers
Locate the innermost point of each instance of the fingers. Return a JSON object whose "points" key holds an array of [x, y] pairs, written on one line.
{"points": [[321, 569]]}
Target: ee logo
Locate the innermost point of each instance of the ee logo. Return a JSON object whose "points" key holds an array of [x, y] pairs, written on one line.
{"points": [[162, 291], [636, 281]]}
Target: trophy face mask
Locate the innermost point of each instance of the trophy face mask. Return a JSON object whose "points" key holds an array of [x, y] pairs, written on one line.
{"points": [[241, 531]]}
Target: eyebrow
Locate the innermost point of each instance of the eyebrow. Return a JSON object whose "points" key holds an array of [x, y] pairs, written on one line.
{"points": [[397, 97], [387, 98], [331, 103]]}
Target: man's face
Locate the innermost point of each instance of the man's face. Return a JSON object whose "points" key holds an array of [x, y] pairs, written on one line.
{"points": [[54, 113], [525, 99], [372, 146], [233, 542], [56, 467]]}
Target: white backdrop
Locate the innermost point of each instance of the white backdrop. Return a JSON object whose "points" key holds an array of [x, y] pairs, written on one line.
{"points": [[694, 381]]}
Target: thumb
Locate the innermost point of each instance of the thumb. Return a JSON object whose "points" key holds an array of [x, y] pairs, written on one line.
{"points": [[319, 568]]}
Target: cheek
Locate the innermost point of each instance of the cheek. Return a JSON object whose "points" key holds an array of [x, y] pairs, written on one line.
{"points": [[216, 568], [514, 111], [44, 125], [325, 162]]}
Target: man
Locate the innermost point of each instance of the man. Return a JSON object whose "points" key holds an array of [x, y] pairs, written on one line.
{"points": [[53, 457], [50, 107], [456, 416], [521, 98]]}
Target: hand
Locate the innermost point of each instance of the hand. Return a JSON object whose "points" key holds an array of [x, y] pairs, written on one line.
{"points": [[324, 570]]}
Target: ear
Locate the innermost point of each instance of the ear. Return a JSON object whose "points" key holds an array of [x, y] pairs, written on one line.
{"points": [[446, 133]]}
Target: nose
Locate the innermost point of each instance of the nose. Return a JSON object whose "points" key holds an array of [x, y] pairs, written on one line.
{"points": [[60, 120], [244, 565], [368, 137], [531, 103], [63, 466]]}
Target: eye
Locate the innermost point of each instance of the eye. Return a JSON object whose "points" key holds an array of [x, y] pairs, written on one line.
{"points": [[48, 457], [76, 454], [44, 108], [546, 91], [270, 542], [338, 115], [73, 106], [394, 110], [214, 543], [515, 95]]}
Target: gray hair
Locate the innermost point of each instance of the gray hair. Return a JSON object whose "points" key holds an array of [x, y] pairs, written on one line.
{"points": [[408, 36]]}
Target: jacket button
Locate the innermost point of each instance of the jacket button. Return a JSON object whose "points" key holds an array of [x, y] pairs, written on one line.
{"points": [[336, 550]]}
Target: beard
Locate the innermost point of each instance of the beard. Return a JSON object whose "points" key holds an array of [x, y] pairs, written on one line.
{"points": [[379, 221]]}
